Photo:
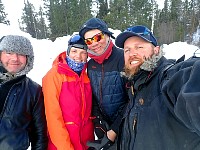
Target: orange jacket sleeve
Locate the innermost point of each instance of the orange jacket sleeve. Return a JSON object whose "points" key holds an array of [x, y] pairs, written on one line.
{"points": [[59, 135]]}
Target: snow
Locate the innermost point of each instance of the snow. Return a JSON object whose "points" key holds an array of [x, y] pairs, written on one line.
{"points": [[45, 50], [177, 49]]}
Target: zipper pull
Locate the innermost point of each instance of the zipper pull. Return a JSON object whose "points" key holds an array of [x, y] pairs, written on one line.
{"points": [[134, 122], [132, 90]]}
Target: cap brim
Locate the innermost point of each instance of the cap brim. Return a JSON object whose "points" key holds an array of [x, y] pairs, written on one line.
{"points": [[122, 37]]}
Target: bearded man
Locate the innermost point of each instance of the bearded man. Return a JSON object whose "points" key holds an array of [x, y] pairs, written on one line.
{"points": [[163, 111]]}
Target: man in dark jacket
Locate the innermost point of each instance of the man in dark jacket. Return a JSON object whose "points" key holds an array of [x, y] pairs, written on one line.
{"points": [[109, 94], [163, 112], [22, 117]]}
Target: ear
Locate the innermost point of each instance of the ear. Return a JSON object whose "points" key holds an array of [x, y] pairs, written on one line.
{"points": [[156, 49]]}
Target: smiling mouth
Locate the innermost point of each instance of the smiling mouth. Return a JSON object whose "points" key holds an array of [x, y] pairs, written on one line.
{"points": [[15, 64], [134, 62]]}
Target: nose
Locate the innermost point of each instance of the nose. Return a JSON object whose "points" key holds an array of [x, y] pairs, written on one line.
{"points": [[78, 55], [14, 56], [133, 52], [94, 43]]}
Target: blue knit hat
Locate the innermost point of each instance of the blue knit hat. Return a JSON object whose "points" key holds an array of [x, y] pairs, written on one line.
{"points": [[94, 23], [140, 31]]}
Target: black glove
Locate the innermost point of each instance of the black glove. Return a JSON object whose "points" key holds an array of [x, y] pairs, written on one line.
{"points": [[91, 148], [102, 144], [100, 127]]}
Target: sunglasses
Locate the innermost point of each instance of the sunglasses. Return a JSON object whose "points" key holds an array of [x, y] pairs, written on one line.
{"points": [[77, 41], [96, 38], [74, 39], [141, 30], [144, 32]]}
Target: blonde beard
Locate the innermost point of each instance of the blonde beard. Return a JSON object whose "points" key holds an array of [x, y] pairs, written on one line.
{"points": [[148, 65], [129, 73]]}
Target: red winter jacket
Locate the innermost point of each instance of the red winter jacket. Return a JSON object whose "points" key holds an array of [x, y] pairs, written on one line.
{"points": [[68, 102]]}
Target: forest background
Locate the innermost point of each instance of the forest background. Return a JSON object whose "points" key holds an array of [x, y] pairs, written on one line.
{"points": [[176, 21]]}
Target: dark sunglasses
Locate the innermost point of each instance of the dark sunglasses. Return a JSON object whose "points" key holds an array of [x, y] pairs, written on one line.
{"points": [[96, 38]]}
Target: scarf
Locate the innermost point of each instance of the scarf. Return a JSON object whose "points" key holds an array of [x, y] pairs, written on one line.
{"points": [[100, 59], [75, 66]]}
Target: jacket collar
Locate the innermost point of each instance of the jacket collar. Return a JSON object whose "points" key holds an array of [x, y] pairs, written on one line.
{"points": [[143, 77]]}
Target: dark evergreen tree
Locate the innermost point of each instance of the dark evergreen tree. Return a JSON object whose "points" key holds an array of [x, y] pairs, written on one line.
{"points": [[3, 15], [103, 9], [29, 19], [66, 16], [42, 31], [117, 17]]}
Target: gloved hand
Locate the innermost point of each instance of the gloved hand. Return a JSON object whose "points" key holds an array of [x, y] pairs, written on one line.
{"points": [[102, 144], [100, 127], [91, 148]]}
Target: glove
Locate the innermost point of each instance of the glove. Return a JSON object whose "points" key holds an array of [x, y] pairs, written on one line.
{"points": [[100, 127], [102, 144], [91, 148]]}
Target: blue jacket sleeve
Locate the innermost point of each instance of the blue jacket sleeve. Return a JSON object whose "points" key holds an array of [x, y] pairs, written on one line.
{"points": [[181, 93]]}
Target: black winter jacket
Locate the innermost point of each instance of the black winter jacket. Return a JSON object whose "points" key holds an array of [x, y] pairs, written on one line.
{"points": [[22, 116], [109, 92], [163, 113]]}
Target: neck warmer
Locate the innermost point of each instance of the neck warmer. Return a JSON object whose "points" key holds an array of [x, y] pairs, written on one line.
{"points": [[100, 59], [5, 76], [75, 66]]}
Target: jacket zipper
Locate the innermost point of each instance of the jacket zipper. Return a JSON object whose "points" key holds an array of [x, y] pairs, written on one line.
{"points": [[82, 100], [101, 83], [101, 91]]}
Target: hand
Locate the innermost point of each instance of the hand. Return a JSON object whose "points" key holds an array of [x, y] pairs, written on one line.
{"points": [[100, 127], [102, 144], [111, 135]]}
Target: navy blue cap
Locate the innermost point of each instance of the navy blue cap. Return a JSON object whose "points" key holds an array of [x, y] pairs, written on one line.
{"points": [[140, 31], [94, 23]]}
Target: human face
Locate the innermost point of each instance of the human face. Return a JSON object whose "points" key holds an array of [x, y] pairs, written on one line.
{"points": [[13, 62], [78, 54], [136, 52], [97, 47]]}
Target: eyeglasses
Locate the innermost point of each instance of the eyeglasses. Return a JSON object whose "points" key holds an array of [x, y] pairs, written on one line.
{"points": [[96, 38]]}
